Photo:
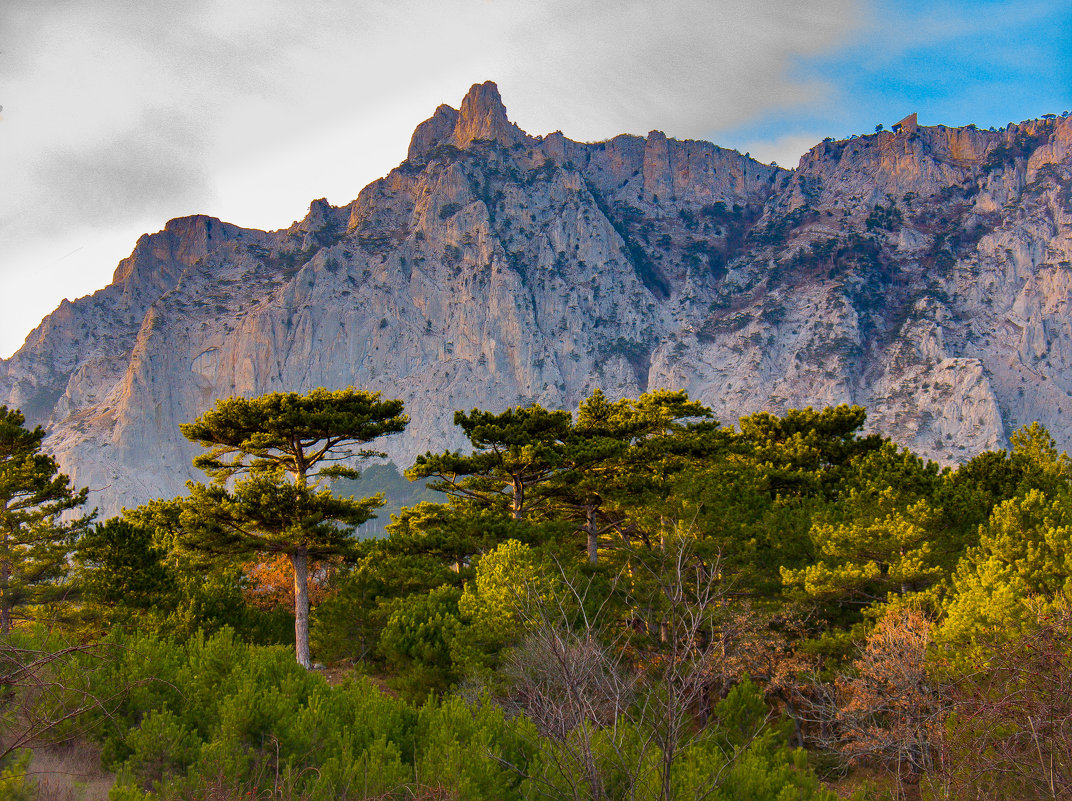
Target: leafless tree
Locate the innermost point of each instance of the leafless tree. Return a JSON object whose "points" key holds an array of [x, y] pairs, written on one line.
{"points": [[621, 702], [1012, 732], [574, 687], [891, 709], [690, 599], [38, 700]]}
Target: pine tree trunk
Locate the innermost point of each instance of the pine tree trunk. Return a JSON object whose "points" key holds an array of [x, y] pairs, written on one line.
{"points": [[5, 577], [593, 533], [517, 498], [300, 560]]}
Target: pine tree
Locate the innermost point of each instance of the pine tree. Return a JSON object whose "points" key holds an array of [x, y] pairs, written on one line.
{"points": [[622, 450], [268, 458], [806, 452], [533, 463], [123, 575], [882, 537], [514, 452], [34, 539]]}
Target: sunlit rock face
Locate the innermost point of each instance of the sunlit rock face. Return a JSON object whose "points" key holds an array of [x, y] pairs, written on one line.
{"points": [[926, 274]]}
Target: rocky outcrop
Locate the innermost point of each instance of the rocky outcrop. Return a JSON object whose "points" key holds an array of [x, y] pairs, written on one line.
{"points": [[925, 273]]}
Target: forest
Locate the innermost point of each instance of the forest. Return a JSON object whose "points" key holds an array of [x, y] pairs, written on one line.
{"points": [[629, 600]]}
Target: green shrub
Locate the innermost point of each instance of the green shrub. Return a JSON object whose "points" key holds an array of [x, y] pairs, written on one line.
{"points": [[417, 641], [15, 785]]}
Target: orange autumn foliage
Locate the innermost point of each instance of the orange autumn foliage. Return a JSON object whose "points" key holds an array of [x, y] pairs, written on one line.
{"points": [[270, 583], [890, 710]]}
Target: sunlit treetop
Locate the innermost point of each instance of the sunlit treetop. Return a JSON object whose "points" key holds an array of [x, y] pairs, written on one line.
{"points": [[292, 432]]}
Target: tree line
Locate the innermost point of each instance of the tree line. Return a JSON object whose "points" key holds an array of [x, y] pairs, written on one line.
{"points": [[659, 601]]}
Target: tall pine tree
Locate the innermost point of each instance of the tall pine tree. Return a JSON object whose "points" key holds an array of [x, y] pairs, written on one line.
{"points": [[34, 537], [268, 458]]}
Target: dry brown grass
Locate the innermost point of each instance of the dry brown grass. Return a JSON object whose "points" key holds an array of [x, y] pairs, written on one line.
{"points": [[70, 772]]}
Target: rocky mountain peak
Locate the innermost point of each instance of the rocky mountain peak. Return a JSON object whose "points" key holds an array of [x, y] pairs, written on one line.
{"points": [[183, 242], [482, 116], [434, 131], [189, 239]]}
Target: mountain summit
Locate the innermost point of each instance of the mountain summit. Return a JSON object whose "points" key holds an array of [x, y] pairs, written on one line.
{"points": [[482, 117], [924, 273]]}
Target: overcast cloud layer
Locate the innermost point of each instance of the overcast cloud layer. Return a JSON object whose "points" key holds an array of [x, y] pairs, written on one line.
{"points": [[120, 115]]}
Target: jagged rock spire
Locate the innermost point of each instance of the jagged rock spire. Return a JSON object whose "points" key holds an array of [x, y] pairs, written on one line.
{"points": [[482, 116], [433, 131]]}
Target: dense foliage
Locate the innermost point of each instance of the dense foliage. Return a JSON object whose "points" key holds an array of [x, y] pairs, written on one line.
{"points": [[268, 458], [630, 601], [35, 537]]}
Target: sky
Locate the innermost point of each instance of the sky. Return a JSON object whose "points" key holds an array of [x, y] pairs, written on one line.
{"points": [[118, 115]]}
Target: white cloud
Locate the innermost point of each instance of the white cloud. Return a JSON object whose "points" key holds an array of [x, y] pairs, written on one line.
{"points": [[600, 68]]}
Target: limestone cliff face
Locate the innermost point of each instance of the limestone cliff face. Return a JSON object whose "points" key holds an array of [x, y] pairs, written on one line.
{"points": [[926, 274]]}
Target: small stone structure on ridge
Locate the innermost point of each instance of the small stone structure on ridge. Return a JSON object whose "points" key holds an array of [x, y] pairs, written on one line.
{"points": [[907, 126]]}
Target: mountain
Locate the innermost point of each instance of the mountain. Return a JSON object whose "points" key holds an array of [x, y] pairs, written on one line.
{"points": [[924, 273]]}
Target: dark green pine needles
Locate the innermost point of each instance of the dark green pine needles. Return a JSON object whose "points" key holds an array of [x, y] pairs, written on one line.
{"points": [[267, 458], [34, 538]]}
